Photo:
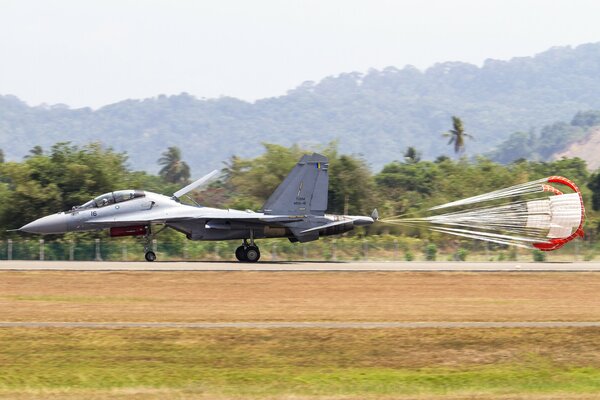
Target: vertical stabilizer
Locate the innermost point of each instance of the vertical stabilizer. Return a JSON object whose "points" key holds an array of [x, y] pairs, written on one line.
{"points": [[303, 191]]}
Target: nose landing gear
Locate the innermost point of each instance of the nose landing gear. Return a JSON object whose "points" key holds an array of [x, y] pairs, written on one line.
{"points": [[149, 253]]}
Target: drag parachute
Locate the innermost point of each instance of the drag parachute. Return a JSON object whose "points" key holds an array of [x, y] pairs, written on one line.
{"points": [[536, 214]]}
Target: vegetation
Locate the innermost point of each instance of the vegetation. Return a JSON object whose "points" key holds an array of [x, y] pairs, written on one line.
{"points": [[299, 363], [377, 114], [551, 139], [229, 363], [174, 170], [457, 135]]}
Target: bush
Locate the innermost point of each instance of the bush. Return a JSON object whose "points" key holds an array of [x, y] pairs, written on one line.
{"points": [[539, 256], [461, 254], [430, 252], [512, 254], [408, 256]]}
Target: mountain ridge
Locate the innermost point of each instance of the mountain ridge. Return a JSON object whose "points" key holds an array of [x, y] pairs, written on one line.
{"points": [[377, 114]]}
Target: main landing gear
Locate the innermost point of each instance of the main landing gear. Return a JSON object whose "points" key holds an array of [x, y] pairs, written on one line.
{"points": [[247, 252]]}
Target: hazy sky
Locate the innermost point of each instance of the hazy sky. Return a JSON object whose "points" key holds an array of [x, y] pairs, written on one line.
{"points": [[92, 53]]}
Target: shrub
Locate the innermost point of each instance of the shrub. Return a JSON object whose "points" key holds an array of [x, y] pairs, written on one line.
{"points": [[461, 254], [512, 254], [430, 252], [539, 256]]}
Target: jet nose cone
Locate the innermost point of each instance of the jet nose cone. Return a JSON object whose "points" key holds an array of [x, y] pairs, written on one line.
{"points": [[56, 223]]}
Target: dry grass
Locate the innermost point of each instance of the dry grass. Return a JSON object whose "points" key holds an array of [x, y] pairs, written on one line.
{"points": [[324, 364], [298, 296]]}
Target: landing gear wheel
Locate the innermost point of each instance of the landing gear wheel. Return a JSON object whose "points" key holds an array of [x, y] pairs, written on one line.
{"points": [[150, 256], [252, 254], [240, 254]]}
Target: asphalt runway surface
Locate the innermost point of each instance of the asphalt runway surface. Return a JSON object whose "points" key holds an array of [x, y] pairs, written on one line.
{"points": [[20, 265]]}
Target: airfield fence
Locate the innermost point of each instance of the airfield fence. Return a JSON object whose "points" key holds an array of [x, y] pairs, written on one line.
{"points": [[370, 248]]}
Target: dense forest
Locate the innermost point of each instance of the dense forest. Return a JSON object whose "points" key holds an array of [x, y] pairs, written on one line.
{"points": [[376, 115]]}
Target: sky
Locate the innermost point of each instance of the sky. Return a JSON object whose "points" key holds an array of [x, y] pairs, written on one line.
{"points": [[93, 53]]}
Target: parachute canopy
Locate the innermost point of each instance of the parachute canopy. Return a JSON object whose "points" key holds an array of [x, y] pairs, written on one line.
{"points": [[532, 215]]}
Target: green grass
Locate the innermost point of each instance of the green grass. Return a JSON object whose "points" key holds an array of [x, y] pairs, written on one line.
{"points": [[266, 363], [258, 382]]}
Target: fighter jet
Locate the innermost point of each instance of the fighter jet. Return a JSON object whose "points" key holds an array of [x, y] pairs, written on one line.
{"points": [[296, 210]]}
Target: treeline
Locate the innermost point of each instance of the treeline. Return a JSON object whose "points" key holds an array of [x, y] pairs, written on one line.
{"points": [[67, 175]]}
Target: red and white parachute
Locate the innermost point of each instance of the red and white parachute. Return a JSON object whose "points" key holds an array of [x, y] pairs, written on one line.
{"points": [[536, 214]]}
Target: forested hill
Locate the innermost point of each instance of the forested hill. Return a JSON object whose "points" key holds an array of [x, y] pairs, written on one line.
{"points": [[377, 114]]}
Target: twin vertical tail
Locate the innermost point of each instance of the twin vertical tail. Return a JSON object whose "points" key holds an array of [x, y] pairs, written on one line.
{"points": [[303, 191]]}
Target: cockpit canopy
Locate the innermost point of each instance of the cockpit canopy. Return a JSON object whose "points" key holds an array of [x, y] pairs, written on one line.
{"points": [[113, 197]]}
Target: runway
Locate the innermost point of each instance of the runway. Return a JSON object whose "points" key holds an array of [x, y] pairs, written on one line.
{"points": [[20, 265], [303, 325]]}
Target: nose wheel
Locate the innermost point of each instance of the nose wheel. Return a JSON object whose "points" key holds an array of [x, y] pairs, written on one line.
{"points": [[150, 256]]}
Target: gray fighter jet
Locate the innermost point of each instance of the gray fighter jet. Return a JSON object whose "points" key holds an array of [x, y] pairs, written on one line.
{"points": [[296, 210]]}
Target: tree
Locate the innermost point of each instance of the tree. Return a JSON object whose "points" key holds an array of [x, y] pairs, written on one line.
{"points": [[174, 170], [457, 135], [36, 151], [411, 155], [594, 186], [1, 156], [253, 180], [350, 186]]}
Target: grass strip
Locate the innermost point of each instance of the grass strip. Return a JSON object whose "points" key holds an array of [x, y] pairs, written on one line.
{"points": [[314, 363]]}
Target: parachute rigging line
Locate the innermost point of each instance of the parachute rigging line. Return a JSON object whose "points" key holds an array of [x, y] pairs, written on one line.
{"points": [[535, 215]]}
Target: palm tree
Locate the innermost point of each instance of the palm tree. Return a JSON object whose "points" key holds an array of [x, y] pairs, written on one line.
{"points": [[457, 135], [174, 170]]}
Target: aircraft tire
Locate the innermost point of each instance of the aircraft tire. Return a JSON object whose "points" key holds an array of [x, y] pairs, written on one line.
{"points": [[240, 254], [252, 254], [150, 256]]}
